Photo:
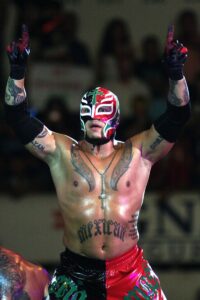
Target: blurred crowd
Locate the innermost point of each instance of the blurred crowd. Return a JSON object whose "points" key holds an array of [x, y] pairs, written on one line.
{"points": [[135, 74]]}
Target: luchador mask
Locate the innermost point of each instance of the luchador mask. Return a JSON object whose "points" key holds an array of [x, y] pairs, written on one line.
{"points": [[100, 104]]}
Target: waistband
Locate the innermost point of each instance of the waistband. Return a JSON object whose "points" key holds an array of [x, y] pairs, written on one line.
{"points": [[133, 256]]}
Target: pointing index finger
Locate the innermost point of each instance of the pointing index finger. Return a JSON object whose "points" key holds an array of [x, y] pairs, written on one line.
{"points": [[170, 34], [25, 35]]}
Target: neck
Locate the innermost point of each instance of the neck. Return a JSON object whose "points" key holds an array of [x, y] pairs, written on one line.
{"points": [[98, 150]]}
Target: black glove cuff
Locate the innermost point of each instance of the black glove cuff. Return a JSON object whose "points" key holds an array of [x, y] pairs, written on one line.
{"points": [[17, 72], [175, 73]]}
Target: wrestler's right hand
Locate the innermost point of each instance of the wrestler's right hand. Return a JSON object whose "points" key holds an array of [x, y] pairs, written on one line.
{"points": [[18, 52]]}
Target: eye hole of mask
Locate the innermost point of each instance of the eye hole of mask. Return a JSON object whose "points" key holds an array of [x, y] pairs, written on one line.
{"points": [[107, 109], [85, 110]]}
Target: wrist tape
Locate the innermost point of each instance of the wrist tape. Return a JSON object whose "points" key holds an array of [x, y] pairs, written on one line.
{"points": [[170, 124], [22, 123], [17, 72]]}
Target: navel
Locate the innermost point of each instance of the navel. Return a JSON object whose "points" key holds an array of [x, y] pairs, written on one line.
{"points": [[128, 183], [103, 247], [75, 183]]}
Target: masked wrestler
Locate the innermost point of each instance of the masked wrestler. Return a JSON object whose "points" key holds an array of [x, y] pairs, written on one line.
{"points": [[100, 182]]}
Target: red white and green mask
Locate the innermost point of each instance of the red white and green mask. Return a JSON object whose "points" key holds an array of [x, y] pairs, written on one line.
{"points": [[100, 104]]}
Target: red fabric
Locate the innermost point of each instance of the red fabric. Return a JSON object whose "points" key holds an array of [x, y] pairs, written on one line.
{"points": [[129, 276]]}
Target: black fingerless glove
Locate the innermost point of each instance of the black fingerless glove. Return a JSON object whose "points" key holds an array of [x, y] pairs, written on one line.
{"points": [[175, 55], [18, 52], [174, 59]]}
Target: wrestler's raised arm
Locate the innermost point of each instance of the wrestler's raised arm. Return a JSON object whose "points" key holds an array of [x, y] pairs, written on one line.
{"points": [[32, 133], [159, 139]]}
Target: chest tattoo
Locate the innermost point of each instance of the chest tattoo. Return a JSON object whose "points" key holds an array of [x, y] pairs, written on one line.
{"points": [[81, 168], [133, 232], [122, 165]]}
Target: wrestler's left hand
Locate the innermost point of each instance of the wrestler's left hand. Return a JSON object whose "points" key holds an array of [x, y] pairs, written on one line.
{"points": [[175, 55]]}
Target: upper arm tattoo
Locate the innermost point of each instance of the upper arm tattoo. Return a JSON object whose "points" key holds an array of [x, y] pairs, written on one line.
{"points": [[42, 134], [122, 165], [156, 142], [14, 95], [81, 168], [181, 96]]}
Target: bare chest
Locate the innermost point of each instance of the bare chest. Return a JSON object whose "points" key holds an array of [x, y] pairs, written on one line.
{"points": [[116, 179]]}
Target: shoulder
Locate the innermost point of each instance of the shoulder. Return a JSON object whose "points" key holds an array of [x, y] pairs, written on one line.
{"points": [[137, 140], [64, 142], [63, 138], [54, 145], [131, 146], [34, 272]]}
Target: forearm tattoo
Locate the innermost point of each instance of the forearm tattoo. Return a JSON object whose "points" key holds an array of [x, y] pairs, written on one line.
{"points": [[14, 95], [178, 93], [101, 227], [81, 168], [122, 165]]}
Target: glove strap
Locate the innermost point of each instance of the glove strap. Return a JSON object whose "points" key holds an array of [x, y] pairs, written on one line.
{"points": [[17, 72]]}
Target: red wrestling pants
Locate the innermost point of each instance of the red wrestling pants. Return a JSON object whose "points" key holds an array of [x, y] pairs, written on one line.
{"points": [[131, 277], [128, 276]]}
